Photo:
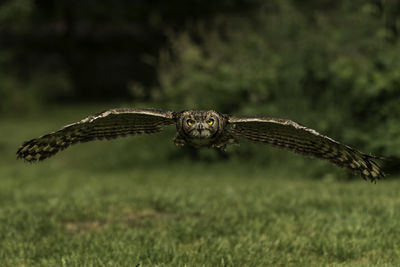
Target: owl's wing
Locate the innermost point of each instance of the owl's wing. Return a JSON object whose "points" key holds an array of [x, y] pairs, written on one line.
{"points": [[105, 125], [295, 137]]}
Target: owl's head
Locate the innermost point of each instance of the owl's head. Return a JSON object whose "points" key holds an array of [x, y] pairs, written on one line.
{"points": [[201, 124]]}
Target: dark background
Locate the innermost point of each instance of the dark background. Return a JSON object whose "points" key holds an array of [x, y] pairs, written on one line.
{"points": [[332, 65]]}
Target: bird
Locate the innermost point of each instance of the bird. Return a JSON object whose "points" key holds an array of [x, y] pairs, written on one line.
{"points": [[204, 128]]}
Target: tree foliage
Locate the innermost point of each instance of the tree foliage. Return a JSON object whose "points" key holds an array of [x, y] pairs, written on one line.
{"points": [[96, 48], [331, 65], [336, 69]]}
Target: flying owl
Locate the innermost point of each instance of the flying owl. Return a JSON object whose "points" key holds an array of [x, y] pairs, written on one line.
{"points": [[206, 128]]}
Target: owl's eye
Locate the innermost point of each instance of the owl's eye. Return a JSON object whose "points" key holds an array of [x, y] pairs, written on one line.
{"points": [[190, 122], [210, 122]]}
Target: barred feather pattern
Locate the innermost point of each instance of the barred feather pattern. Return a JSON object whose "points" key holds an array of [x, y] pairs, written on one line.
{"points": [[287, 134], [226, 130], [106, 125]]}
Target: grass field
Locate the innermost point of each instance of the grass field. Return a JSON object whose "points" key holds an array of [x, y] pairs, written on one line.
{"points": [[99, 204]]}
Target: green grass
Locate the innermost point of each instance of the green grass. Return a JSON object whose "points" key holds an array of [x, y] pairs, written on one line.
{"points": [[101, 204]]}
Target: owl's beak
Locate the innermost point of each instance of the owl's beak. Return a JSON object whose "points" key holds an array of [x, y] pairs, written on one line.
{"points": [[200, 128]]}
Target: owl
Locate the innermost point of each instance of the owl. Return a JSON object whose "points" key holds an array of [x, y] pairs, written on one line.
{"points": [[203, 128]]}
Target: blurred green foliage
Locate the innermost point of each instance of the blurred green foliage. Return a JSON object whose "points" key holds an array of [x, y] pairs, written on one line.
{"points": [[335, 69], [330, 65], [96, 48]]}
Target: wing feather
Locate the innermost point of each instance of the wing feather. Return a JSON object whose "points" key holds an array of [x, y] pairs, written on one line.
{"points": [[295, 137], [105, 125]]}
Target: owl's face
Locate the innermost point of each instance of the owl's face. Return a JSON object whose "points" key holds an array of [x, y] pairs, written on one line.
{"points": [[200, 124]]}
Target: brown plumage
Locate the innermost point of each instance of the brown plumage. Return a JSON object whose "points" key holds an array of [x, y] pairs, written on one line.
{"points": [[203, 129]]}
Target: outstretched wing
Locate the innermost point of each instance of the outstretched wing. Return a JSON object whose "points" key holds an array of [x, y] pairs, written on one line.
{"points": [[105, 125], [295, 137]]}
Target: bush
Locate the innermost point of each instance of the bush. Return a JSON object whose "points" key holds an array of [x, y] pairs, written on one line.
{"points": [[336, 70]]}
